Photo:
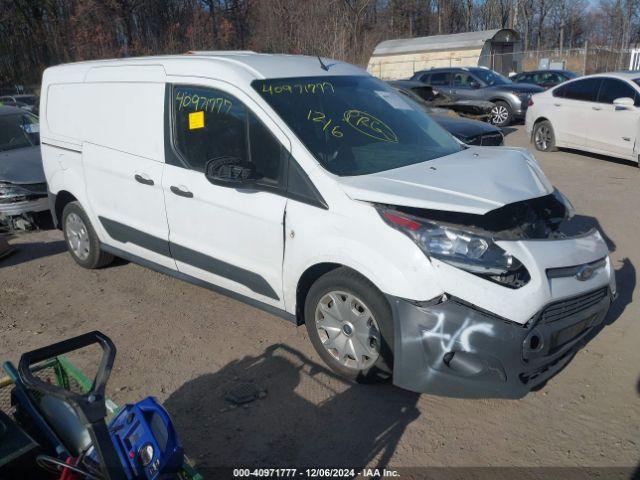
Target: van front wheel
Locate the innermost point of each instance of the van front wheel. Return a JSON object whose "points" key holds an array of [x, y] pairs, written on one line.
{"points": [[81, 238], [350, 325]]}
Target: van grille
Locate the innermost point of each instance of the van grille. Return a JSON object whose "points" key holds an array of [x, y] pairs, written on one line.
{"points": [[565, 308]]}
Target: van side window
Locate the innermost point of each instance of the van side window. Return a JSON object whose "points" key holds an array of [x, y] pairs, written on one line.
{"points": [[210, 124]]}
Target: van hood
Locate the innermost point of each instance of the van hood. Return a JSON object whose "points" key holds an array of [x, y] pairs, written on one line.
{"points": [[475, 180]]}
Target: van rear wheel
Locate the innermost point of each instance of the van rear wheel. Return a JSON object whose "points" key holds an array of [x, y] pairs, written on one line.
{"points": [[81, 238], [350, 325]]}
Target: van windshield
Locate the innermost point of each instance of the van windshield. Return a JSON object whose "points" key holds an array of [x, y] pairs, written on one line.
{"points": [[356, 125]]}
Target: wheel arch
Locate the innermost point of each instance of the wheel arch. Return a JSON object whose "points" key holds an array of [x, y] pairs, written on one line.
{"points": [[501, 99], [540, 119], [306, 280], [309, 277], [63, 198]]}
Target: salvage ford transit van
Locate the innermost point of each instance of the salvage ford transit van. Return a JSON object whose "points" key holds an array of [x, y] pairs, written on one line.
{"points": [[308, 188]]}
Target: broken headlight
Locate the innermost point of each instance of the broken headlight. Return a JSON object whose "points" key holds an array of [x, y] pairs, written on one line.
{"points": [[10, 193], [466, 250]]}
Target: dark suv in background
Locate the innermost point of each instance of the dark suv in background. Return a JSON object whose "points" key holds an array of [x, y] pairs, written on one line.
{"points": [[544, 78], [480, 83]]}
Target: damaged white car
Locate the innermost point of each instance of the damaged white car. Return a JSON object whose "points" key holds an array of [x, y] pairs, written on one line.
{"points": [[23, 189], [310, 189]]}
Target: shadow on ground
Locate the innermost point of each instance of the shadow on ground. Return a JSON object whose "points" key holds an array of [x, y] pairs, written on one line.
{"points": [[26, 252], [309, 417]]}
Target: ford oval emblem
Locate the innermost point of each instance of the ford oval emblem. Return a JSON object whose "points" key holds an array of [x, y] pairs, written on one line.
{"points": [[585, 273]]}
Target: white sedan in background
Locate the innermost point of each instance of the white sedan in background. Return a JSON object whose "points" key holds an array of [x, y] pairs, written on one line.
{"points": [[597, 113]]}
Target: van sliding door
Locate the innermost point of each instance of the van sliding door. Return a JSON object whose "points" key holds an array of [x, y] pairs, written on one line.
{"points": [[123, 157]]}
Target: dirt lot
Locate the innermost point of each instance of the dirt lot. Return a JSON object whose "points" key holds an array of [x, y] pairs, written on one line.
{"points": [[188, 346]]}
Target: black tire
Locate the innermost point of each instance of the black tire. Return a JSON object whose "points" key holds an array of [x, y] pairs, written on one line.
{"points": [[501, 114], [348, 281], [544, 138], [95, 257]]}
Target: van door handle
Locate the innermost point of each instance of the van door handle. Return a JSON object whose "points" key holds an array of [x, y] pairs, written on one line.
{"points": [[557, 104], [181, 193], [597, 108], [143, 179]]}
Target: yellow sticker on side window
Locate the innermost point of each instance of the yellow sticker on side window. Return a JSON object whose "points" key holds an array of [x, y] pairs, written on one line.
{"points": [[196, 120]]}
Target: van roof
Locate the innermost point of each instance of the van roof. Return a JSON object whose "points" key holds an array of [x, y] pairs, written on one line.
{"points": [[225, 65]]}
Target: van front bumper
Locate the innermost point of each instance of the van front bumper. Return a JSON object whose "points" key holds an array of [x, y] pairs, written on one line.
{"points": [[449, 347]]}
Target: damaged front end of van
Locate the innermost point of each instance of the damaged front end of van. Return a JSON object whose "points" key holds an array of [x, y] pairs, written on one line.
{"points": [[515, 257], [521, 281]]}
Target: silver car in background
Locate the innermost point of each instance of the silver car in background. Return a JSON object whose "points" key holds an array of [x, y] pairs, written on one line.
{"points": [[23, 188]]}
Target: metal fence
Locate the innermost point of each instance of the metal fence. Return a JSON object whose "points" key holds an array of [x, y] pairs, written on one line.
{"points": [[585, 60]]}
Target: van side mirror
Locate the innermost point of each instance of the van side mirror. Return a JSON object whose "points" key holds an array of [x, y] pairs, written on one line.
{"points": [[624, 102], [230, 172]]}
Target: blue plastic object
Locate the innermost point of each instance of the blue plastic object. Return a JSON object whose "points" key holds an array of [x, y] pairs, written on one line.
{"points": [[146, 441]]}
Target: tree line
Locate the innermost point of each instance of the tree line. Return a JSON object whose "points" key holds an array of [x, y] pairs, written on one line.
{"points": [[37, 33]]}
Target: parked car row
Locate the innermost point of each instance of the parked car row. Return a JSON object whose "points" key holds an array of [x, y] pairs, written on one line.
{"points": [[510, 96], [478, 83], [471, 132], [435, 98]]}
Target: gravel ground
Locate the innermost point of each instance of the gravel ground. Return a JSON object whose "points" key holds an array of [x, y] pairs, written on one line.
{"points": [[188, 346]]}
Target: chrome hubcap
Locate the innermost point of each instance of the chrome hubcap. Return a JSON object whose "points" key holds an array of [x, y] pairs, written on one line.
{"points": [[499, 114], [77, 236], [348, 330], [543, 137]]}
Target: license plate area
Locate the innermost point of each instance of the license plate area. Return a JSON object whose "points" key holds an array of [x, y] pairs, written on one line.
{"points": [[561, 337]]}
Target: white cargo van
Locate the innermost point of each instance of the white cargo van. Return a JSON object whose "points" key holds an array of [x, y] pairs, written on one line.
{"points": [[310, 189]]}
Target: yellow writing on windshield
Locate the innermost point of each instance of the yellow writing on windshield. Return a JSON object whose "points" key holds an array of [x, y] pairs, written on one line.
{"points": [[298, 88], [370, 126], [194, 101], [320, 117]]}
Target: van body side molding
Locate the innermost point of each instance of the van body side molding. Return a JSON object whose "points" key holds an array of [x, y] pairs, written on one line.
{"points": [[126, 234], [201, 283], [68, 149]]}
